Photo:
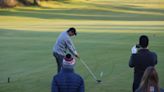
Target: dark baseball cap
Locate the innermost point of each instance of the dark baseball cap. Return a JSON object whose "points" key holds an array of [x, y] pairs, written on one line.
{"points": [[72, 29]]}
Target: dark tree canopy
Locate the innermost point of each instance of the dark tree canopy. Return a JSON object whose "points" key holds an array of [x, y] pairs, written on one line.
{"points": [[13, 3], [8, 3]]}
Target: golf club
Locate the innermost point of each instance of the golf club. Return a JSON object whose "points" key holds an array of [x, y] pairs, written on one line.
{"points": [[94, 77]]}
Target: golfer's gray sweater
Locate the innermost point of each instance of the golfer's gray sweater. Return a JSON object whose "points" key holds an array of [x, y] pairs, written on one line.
{"points": [[64, 43]]}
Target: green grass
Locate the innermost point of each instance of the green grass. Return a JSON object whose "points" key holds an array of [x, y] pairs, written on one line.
{"points": [[106, 33]]}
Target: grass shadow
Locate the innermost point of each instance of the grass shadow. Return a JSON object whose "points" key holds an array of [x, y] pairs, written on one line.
{"points": [[95, 11], [81, 14]]}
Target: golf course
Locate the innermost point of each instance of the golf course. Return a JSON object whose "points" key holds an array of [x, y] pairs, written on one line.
{"points": [[106, 32]]}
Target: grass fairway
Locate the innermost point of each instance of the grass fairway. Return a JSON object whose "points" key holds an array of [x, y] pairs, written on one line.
{"points": [[107, 30]]}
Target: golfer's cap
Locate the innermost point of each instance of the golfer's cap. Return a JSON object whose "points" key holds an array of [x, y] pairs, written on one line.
{"points": [[73, 30]]}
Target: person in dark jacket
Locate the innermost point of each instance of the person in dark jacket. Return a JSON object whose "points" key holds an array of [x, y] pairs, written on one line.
{"points": [[66, 80], [150, 81], [140, 59]]}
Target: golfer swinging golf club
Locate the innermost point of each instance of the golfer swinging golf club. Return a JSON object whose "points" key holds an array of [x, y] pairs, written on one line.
{"points": [[63, 45]]}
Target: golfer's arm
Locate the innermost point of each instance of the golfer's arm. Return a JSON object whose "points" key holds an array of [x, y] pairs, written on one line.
{"points": [[71, 47]]}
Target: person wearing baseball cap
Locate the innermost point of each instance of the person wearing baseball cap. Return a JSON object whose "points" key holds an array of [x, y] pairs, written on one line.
{"points": [[67, 80], [140, 59], [64, 45]]}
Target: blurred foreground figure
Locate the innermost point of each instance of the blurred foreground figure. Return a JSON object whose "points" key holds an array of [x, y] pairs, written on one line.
{"points": [[66, 80], [150, 81]]}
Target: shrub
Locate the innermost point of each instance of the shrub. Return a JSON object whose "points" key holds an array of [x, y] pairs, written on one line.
{"points": [[8, 3]]}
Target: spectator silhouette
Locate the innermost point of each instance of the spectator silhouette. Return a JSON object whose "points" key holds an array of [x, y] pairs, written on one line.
{"points": [[140, 59]]}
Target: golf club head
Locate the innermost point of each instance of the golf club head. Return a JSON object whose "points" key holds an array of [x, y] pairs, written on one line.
{"points": [[98, 81]]}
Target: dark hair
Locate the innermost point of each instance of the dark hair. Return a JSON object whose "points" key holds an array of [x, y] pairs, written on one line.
{"points": [[143, 41], [150, 78], [72, 29], [68, 56]]}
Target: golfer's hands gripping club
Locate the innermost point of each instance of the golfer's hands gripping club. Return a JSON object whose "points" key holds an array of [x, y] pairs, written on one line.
{"points": [[77, 56]]}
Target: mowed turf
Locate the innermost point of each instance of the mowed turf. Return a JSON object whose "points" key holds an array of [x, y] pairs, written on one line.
{"points": [[106, 33]]}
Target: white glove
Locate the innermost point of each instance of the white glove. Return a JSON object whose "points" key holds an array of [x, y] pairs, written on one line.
{"points": [[134, 49]]}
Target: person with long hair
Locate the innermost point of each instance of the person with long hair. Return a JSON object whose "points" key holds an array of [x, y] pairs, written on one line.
{"points": [[150, 81]]}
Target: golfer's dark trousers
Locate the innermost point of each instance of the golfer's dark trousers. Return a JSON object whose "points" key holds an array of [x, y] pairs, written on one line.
{"points": [[59, 60]]}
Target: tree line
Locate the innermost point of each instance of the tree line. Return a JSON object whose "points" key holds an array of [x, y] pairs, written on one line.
{"points": [[13, 3]]}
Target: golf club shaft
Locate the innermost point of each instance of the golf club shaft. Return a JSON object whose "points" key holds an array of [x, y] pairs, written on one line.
{"points": [[88, 69]]}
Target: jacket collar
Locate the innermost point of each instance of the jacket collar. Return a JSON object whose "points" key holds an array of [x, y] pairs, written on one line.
{"points": [[66, 33], [143, 50], [67, 70]]}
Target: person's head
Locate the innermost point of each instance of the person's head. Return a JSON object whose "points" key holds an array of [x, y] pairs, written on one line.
{"points": [[143, 41], [68, 61], [150, 79], [71, 31]]}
